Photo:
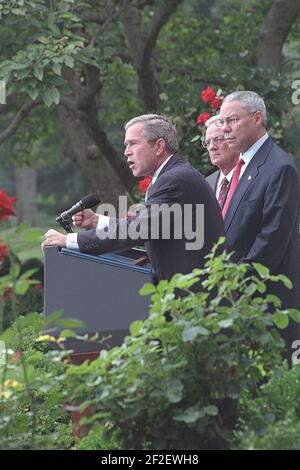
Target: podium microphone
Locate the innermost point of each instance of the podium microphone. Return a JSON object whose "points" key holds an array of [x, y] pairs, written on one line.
{"points": [[87, 202]]}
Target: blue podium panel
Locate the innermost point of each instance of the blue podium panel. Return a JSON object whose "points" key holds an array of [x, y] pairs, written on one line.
{"points": [[102, 291]]}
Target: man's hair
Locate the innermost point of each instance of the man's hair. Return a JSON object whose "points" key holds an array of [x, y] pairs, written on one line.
{"points": [[212, 120], [250, 101], [155, 127]]}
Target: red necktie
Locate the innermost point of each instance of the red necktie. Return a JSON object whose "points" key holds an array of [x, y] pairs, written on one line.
{"points": [[234, 183], [148, 187], [223, 191]]}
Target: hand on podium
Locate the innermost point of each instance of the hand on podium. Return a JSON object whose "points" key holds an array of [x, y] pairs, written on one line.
{"points": [[85, 219], [54, 238]]}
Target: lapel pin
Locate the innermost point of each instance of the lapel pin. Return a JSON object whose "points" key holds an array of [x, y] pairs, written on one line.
{"points": [[249, 177]]}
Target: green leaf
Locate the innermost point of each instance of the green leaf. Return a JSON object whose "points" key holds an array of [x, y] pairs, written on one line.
{"points": [[38, 72], [285, 280], [15, 270], [189, 416], [190, 333], [174, 391], [56, 68], [195, 139], [21, 287], [225, 323], [210, 410], [54, 29], [53, 317], [147, 289], [69, 61], [70, 323], [294, 314], [281, 320], [68, 334], [262, 270], [33, 93], [136, 327], [51, 96]]}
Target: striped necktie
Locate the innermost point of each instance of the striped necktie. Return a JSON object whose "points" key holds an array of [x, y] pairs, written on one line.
{"points": [[223, 191]]}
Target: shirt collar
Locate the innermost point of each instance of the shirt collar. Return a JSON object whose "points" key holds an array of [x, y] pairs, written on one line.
{"points": [[156, 173], [249, 154], [228, 176]]}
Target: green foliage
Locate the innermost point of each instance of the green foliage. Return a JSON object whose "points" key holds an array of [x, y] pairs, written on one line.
{"points": [[176, 384], [36, 69], [271, 419]]}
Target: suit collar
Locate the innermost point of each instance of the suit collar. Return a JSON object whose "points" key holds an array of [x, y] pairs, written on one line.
{"points": [[247, 179], [173, 160], [170, 163]]}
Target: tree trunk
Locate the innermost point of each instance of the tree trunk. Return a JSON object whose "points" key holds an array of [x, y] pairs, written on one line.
{"points": [[26, 186], [82, 149], [274, 32]]}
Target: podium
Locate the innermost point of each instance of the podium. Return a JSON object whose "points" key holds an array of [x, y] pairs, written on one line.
{"points": [[102, 291]]}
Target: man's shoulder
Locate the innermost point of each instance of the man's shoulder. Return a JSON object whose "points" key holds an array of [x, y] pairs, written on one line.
{"points": [[177, 166], [276, 155], [213, 176]]}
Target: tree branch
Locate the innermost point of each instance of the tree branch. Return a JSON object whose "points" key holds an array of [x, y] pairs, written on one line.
{"points": [[21, 114], [141, 43], [274, 32]]}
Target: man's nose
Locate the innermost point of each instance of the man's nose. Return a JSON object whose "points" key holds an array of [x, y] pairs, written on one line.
{"points": [[212, 144]]}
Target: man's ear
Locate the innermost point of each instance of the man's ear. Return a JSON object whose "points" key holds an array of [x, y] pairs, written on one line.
{"points": [[160, 146], [258, 118]]}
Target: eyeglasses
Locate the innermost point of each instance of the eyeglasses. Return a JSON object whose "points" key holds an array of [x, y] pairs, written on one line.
{"points": [[214, 141], [231, 121]]}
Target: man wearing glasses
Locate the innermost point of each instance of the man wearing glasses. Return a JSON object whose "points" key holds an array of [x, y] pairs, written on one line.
{"points": [[221, 156], [261, 211]]}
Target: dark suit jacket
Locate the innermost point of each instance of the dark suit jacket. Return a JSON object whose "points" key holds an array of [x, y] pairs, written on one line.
{"points": [[262, 220], [178, 182], [213, 180]]}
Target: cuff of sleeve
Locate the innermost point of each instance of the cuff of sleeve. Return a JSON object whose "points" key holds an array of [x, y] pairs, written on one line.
{"points": [[103, 221], [72, 241]]}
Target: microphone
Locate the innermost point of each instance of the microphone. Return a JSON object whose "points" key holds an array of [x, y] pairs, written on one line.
{"points": [[64, 219]]}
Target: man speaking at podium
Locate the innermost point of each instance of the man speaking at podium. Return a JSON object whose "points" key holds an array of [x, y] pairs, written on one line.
{"points": [[194, 226]]}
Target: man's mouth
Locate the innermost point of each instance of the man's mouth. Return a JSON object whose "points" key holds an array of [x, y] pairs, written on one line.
{"points": [[130, 164]]}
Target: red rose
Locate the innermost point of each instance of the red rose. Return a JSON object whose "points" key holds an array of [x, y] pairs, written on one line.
{"points": [[143, 184], [16, 357], [6, 208], [3, 251], [208, 95], [216, 103], [202, 118]]}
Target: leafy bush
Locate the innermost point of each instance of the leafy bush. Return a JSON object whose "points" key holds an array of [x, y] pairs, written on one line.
{"points": [[177, 384], [32, 413], [272, 419]]}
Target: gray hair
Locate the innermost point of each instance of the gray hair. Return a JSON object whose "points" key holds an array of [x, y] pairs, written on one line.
{"points": [[155, 127], [212, 120], [250, 101]]}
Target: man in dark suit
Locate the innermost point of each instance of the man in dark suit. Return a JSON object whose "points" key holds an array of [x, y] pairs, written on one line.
{"points": [[221, 156], [151, 150], [261, 211]]}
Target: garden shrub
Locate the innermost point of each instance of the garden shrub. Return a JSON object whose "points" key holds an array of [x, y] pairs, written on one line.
{"points": [[271, 420], [177, 384]]}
